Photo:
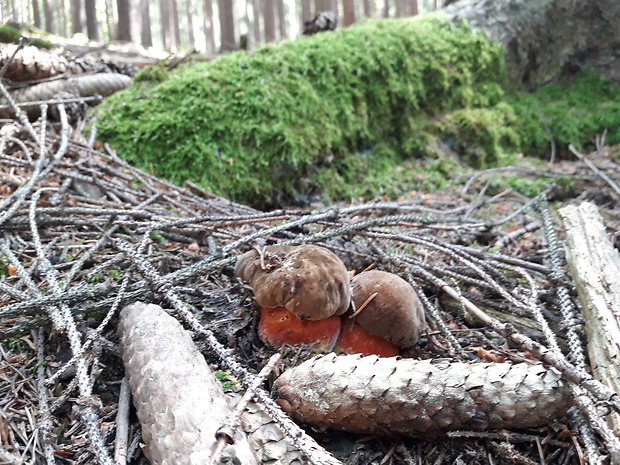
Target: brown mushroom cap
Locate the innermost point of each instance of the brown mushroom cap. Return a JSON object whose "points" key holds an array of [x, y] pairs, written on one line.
{"points": [[310, 281], [396, 313]]}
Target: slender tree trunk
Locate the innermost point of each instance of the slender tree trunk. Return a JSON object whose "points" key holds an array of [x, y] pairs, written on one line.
{"points": [[92, 25], [256, 21], [123, 29], [414, 8], [36, 14], [281, 18], [269, 18], [175, 24], [228, 33], [306, 11], [368, 7], [401, 8], [166, 34], [49, 17], [348, 12], [109, 18], [322, 5], [386, 9], [76, 16], [208, 26], [62, 20], [190, 24], [146, 38]]}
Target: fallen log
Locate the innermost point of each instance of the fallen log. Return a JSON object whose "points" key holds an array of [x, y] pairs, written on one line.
{"points": [[594, 264]]}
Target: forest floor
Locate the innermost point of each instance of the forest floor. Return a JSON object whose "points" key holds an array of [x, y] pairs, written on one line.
{"points": [[84, 234]]}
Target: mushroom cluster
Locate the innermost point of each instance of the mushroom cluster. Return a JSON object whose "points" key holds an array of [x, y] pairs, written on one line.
{"points": [[307, 296]]}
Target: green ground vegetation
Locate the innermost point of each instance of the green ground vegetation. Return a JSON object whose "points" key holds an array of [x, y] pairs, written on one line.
{"points": [[345, 114]]}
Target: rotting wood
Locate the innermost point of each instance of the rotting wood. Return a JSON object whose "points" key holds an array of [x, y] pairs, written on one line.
{"points": [[179, 401], [595, 267], [420, 398]]}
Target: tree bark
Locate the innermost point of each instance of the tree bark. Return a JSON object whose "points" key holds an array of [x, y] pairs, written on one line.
{"points": [[322, 5], [548, 39], [123, 28], [146, 37], [348, 12], [594, 264], [306, 11], [228, 35], [76, 16], [269, 20], [368, 7], [256, 21], [49, 17], [92, 25], [36, 14], [208, 26], [190, 24], [281, 19]]}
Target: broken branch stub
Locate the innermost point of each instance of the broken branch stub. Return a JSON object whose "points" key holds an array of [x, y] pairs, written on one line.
{"points": [[375, 395]]}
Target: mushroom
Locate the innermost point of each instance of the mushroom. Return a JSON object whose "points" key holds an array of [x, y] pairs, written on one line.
{"points": [[278, 326], [393, 311], [354, 339], [309, 281]]}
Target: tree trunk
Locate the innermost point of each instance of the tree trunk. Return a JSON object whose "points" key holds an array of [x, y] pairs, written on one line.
{"points": [[190, 24], [256, 21], [348, 12], [109, 18], [386, 9], [36, 14], [548, 39], [281, 18], [166, 33], [146, 38], [306, 11], [49, 17], [123, 29], [368, 7], [208, 26], [228, 35], [174, 24], [269, 18], [322, 5], [92, 26], [414, 8], [400, 7], [76, 17]]}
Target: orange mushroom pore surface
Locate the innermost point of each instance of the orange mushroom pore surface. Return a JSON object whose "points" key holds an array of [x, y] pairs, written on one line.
{"points": [[278, 326], [354, 339]]}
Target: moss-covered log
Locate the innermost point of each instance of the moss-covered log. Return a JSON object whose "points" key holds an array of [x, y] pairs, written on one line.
{"points": [[338, 113], [263, 125]]}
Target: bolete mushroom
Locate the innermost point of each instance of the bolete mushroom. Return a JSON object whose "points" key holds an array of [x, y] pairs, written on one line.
{"points": [[395, 313], [309, 281]]}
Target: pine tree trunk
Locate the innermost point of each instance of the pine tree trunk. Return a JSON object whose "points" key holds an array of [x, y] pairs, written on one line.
{"points": [[269, 19], [281, 18], [76, 16], [348, 12], [123, 31], [92, 25], [36, 14], [146, 38], [208, 26], [227, 25]]}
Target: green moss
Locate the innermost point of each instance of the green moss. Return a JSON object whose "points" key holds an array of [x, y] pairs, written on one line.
{"points": [[272, 125], [568, 113], [12, 33], [151, 74]]}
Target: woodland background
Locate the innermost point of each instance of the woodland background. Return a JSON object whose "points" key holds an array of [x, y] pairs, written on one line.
{"points": [[202, 25]]}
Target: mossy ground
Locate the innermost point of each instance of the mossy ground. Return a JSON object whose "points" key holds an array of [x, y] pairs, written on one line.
{"points": [[345, 114]]}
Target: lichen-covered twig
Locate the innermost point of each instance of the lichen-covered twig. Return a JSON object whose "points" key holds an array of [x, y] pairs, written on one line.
{"points": [[391, 395]]}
